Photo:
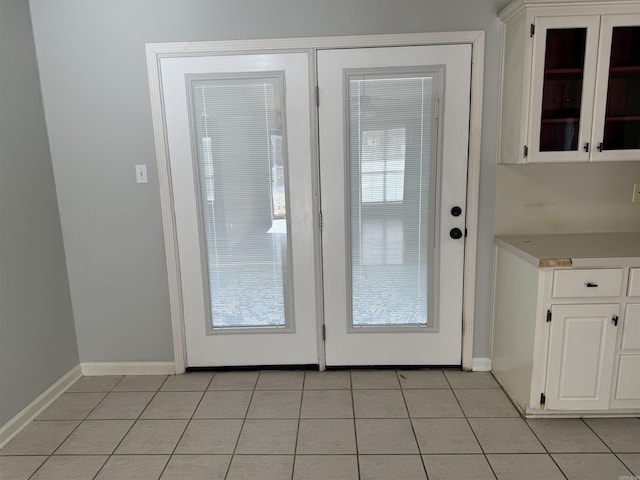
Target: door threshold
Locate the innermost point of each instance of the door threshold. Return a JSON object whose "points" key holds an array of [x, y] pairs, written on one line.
{"points": [[393, 367], [239, 368]]}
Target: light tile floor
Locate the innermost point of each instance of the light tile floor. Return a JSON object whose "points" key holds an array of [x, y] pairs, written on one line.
{"points": [[295, 425]]}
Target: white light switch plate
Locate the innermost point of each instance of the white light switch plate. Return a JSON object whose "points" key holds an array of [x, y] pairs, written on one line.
{"points": [[141, 174]]}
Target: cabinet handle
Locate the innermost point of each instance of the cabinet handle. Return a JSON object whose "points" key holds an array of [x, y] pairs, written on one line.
{"points": [[614, 319], [600, 146], [591, 285], [586, 147]]}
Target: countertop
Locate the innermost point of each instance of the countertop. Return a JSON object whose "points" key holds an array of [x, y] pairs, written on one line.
{"points": [[562, 250]]}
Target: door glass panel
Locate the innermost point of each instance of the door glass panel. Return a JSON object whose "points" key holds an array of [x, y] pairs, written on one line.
{"points": [[392, 136], [622, 122], [241, 166], [562, 89]]}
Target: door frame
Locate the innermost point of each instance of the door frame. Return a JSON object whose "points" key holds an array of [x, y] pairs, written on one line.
{"points": [[155, 52]]}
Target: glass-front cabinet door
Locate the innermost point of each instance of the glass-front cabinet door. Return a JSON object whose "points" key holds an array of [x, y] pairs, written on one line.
{"points": [[563, 84], [562, 89], [617, 118], [585, 97]]}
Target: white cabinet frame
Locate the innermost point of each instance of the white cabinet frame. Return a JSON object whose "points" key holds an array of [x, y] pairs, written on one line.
{"points": [[521, 92]]}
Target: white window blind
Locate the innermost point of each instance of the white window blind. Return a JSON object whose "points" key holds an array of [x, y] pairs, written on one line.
{"points": [[241, 168], [383, 153], [392, 136]]}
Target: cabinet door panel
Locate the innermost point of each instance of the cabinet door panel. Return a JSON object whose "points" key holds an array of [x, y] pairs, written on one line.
{"points": [[627, 391], [617, 105], [581, 353], [631, 333], [628, 383], [563, 83], [634, 282]]}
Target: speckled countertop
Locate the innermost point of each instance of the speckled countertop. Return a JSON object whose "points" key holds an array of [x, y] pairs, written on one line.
{"points": [[562, 249]]}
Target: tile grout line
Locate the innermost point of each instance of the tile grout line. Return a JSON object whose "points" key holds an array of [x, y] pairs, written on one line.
{"points": [[415, 437], [484, 453], [355, 427], [204, 392], [77, 426], [598, 436], [244, 420], [135, 420], [295, 447], [610, 449], [545, 448]]}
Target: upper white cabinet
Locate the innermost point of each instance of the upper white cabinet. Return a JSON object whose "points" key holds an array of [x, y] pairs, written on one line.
{"points": [[571, 81]]}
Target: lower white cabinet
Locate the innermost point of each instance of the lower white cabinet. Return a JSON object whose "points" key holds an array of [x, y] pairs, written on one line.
{"points": [[582, 347], [566, 335]]}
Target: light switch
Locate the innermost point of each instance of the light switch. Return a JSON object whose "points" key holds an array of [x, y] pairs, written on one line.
{"points": [[141, 174], [636, 193]]}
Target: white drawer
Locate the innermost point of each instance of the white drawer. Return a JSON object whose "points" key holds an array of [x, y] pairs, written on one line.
{"points": [[605, 282], [634, 282]]}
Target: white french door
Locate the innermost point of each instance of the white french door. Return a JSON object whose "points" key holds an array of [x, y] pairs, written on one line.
{"points": [[238, 140], [393, 139], [393, 126]]}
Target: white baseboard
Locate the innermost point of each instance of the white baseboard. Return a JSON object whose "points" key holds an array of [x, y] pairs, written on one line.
{"points": [[481, 364], [128, 368], [31, 411]]}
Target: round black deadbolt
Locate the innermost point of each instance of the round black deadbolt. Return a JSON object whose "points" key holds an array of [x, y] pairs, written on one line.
{"points": [[455, 233]]}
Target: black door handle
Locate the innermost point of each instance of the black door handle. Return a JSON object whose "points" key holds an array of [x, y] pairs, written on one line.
{"points": [[455, 233]]}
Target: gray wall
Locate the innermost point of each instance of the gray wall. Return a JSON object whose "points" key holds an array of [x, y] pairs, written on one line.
{"points": [[96, 95], [37, 338]]}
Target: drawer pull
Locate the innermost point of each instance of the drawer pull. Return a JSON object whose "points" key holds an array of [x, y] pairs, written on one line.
{"points": [[591, 285], [614, 320]]}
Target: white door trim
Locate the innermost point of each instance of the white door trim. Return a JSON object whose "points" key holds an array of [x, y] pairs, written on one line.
{"points": [[156, 51]]}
